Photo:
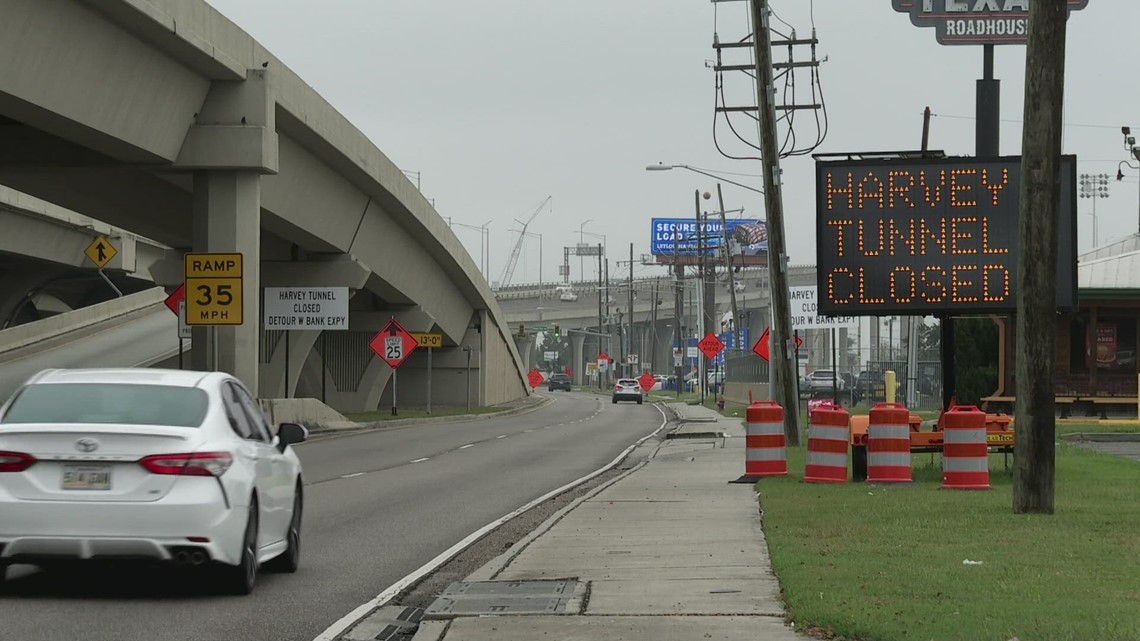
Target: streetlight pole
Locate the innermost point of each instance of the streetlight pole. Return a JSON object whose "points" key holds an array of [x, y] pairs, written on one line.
{"points": [[484, 244], [581, 241], [1130, 145], [662, 167]]}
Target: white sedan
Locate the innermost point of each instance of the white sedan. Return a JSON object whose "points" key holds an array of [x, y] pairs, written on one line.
{"points": [[165, 466]]}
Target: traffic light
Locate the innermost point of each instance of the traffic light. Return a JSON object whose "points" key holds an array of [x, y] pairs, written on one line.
{"points": [[557, 331]]}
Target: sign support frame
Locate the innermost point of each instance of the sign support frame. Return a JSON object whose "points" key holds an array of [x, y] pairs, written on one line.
{"points": [[108, 281]]}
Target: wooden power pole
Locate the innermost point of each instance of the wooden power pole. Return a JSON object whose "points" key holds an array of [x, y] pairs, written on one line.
{"points": [[1034, 452], [783, 379]]}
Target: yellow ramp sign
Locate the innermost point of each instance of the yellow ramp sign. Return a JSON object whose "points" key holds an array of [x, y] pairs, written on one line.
{"points": [[100, 251], [428, 340], [213, 289]]}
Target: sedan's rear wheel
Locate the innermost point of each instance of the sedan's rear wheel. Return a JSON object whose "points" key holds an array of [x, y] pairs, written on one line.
{"points": [[290, 559], [239, 579]]}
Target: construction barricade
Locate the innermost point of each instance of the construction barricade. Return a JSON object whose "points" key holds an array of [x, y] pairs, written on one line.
{"points": [[965, 451], [888, 444], [766, 453], [828, 434]]}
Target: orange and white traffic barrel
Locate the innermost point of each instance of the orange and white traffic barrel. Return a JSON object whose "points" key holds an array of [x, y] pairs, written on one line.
{"points": [[888, 444], [765, 451], [965, 453], [828, 434]]}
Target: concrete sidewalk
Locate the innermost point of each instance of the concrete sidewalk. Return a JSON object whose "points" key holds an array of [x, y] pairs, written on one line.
{"points": [[670, 550]]}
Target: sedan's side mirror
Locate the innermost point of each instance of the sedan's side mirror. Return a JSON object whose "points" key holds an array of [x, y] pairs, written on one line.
{"points": [[290, 434]]}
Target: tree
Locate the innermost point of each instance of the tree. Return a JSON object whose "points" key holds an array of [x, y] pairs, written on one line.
{"points": [[551, 343], [975, 359]]}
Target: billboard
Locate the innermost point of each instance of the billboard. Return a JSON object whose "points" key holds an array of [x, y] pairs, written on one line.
{"points": [[974, 22], [680, 236], [917, 236]]}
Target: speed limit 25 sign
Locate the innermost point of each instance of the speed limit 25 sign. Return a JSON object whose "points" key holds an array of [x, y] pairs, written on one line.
{"points": [[213, 289], [393, 343]]}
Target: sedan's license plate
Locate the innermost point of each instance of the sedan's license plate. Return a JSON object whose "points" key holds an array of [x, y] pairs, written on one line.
{"points": [[86, 477]]}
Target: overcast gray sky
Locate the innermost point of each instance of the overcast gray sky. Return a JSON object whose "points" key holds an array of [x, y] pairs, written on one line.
{"points": [[499, 104]]}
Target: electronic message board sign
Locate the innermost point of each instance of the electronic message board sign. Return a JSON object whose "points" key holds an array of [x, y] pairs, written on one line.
{"points": [[918, 236]]}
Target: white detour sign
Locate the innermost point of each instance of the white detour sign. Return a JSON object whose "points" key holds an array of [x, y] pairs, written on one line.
{"points": [[306, 308], [805, 312]]}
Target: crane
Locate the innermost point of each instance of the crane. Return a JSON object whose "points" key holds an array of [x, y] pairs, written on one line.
{"points": [[509, 270]]}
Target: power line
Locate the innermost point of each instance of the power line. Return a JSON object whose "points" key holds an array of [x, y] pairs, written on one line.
{"points": [[1014, 121]]}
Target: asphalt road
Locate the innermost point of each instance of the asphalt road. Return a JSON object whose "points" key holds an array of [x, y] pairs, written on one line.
{"points": [[137, 338], [378, 506]]}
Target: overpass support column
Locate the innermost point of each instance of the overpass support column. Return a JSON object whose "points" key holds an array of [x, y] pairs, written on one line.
{"points": [[577, 358], [227, 218], [525, 345]]}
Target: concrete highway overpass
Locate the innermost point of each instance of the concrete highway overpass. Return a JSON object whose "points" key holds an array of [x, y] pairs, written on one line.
{"points": [[165, 119], [536, 305]]}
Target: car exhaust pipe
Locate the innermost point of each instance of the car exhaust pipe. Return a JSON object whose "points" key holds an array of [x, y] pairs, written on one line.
{"points": [[181, 557], [197, 558]]}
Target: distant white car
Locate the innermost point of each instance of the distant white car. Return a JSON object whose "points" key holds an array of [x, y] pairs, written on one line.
{"points": [[566, 294], [152, 465], [627, 389]]}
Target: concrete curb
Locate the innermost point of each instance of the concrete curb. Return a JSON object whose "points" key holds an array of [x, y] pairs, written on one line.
{"points": [[356, 428]]}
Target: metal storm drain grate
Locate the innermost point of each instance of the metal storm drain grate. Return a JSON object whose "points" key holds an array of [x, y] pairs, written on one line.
{"points": [[476, 598], [389, 623]]}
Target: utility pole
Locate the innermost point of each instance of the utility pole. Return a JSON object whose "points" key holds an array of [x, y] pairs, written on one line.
{"points": [[653, 327], [702, 368], [599, 313], [630, 371], [1034, 457], [783, 349], [678, 313], [728, 266], [608, 321]]}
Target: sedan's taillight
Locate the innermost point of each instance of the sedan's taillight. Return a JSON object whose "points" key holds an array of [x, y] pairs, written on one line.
{"points": [[193, 464], [15, 461]]}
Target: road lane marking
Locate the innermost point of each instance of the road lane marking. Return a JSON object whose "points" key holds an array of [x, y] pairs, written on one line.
{"points": [[421, 460], [527, 431], [463, 447], [396, 588], [501, 436], [348, 476]]}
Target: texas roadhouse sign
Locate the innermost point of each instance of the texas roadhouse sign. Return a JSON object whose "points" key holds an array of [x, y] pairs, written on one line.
{"points": [[974, 22]]}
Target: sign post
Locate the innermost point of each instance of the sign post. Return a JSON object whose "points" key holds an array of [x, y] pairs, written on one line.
{"points": [[214, 281], [710, 346], [176, 303], [429, 342], [761, 348], [393, 344], [100, 252]]}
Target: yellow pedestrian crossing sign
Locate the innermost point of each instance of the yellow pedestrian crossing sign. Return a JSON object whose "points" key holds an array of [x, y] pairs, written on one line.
{"points": [[100, 251]]}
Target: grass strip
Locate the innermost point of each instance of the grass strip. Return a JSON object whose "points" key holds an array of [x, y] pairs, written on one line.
{"points": [[889, 562]]}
